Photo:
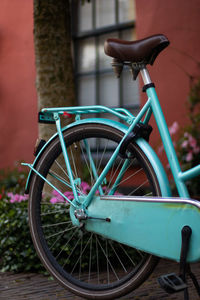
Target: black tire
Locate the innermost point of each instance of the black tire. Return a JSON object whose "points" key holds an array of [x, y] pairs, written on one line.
{"points": [[57, 244]]}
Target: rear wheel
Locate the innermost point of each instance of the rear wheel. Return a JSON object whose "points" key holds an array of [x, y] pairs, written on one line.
{"points": [[86, 263]]}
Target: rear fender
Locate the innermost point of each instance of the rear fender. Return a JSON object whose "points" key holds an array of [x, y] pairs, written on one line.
{"points": [[153, 158]]}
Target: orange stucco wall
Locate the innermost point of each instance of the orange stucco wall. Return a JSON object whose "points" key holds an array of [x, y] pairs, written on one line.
{"points": [[180, 21], [18, 105]]}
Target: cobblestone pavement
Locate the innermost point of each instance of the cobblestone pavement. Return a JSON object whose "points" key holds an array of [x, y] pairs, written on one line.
{"points": [[38, 287]]}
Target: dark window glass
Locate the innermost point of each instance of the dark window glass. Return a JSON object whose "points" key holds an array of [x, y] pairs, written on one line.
{"points": [[96, 83]]}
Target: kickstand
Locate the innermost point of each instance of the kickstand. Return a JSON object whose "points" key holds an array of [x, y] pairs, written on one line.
{"points": [[173, 283], [194, 279], [186, 234], [184, 266]]}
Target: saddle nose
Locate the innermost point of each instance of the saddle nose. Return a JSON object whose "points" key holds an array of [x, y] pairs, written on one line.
{"points": [[142, 51]]}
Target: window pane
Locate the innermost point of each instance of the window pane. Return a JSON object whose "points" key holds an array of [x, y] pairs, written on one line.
{"points": [[128, 35], [130, 89], [85, 16], [126, 10], [105, 13], [108, 90], [105, 60], [86, 90], [86, 55]]}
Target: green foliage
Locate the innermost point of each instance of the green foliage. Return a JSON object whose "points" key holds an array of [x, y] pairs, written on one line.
{"points": [[12, 180], [16, 249]]}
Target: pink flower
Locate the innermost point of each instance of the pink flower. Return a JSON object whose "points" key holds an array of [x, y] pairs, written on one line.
{"points": [[189, 156], [54, 200], [196, 150], [184, 144], [192, 141], [173, 128], [69, 195], [84, 187], [57, 196], [17, 197], [186, 134]]}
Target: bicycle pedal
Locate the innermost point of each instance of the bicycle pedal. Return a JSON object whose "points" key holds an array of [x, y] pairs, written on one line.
{"points": [[172, 283]]}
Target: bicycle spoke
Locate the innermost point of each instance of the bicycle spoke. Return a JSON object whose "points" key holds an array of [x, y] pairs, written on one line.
{"points": [[86, 162], [108, 274], [56, 241], [102, 156], [74, 165], [73, 234], [97, 258], [107, 259], [130, 176], [81, 253], [57, 224], [66, 204], [127, 254], [81, 248], [118, 257], [60, 232], [148, 194], [72, 252], [138, 188], [54, 212], [64, 181], [90, 257]]}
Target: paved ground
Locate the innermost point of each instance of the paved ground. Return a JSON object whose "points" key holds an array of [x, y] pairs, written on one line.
{"points": [[38, 287]]}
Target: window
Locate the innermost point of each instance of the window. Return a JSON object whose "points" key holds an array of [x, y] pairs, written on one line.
{"points": [[93, 23]]}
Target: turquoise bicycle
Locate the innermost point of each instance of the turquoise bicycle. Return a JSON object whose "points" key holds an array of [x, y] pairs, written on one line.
{"points": [[100, 209]]}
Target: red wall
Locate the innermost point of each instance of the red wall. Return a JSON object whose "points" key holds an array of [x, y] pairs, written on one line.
{"points": [[18, 105], [180, 21]]}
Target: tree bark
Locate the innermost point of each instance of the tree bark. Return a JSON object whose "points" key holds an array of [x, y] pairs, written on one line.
{"points": [[53, 57]]}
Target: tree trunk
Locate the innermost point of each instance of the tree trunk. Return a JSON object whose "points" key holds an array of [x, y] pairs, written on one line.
{"points": [[54, 68]]}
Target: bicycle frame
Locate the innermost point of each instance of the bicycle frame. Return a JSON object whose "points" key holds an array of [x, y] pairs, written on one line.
{"points": [[181, 211], [152, 106]]}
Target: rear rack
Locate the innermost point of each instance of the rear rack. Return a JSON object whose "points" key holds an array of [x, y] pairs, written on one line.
{"points": [[47, 114]]}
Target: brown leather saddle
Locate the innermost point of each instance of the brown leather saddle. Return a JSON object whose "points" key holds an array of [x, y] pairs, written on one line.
{"points": [[142, 51]]}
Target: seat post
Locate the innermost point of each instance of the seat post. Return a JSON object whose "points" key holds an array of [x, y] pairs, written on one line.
{"points": [[145, 76]]}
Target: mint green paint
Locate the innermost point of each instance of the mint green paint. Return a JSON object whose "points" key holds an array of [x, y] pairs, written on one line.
{"points": [[189, 174], [153, 158], [66, 158], [119, 112], [120, 176], [48, 182], [151, 227], [167, 142], [93, 167]]}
